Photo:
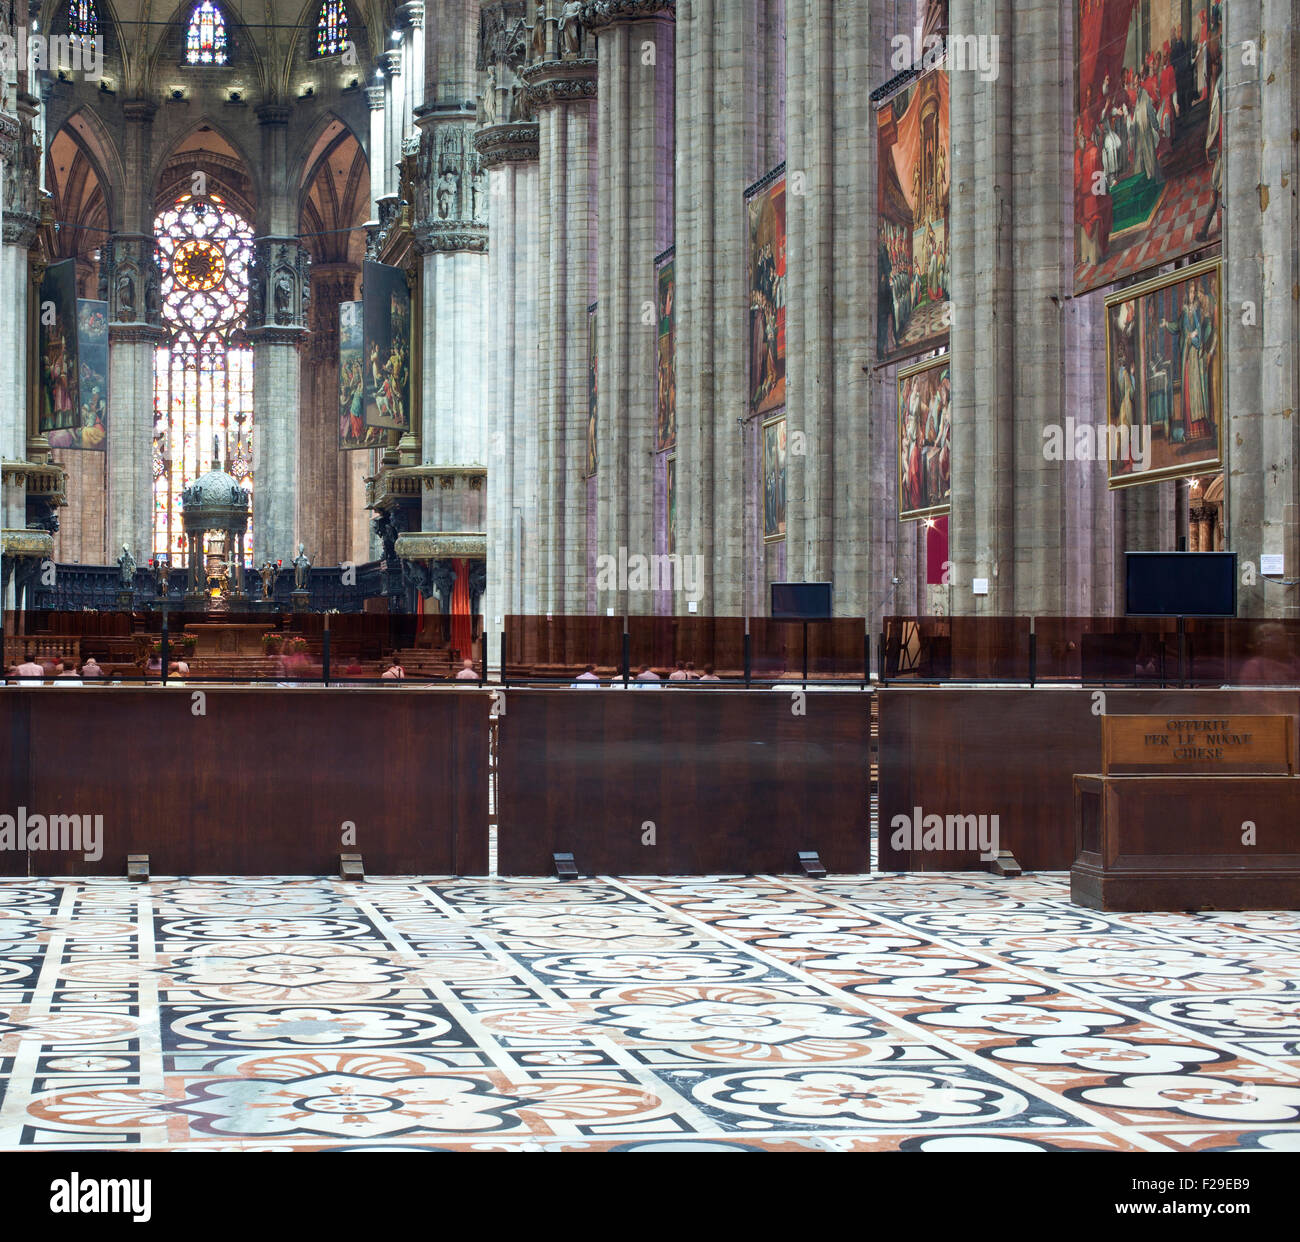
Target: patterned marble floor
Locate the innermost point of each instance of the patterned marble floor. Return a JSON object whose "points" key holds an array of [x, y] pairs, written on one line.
{"points": [[867, 1013]]}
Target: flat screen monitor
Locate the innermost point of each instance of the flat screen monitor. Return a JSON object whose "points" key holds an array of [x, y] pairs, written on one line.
{"points": [[801, 601], [1181, 584]]}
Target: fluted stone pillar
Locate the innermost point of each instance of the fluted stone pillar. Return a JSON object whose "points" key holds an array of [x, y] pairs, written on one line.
{"points": [[19, 218], [635, 143], [1261, 119], [509, 156], [833, 533], [562, 92], [378, 179], [279, 295]]}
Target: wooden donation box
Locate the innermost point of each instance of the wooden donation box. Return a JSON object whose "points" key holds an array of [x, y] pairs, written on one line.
{"points": [[1189, 813]]}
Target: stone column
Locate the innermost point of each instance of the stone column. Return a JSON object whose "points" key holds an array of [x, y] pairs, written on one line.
{"points": [[391, 61], [1261, 297], [378, 184], [279, 295], [326, 480], [562, 92], [509, 158], [635, 143]]}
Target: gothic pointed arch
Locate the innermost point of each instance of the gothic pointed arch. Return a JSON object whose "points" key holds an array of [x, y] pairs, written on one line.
{"points": [[212, 150]]}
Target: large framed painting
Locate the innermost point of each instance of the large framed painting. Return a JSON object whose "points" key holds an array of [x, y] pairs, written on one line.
{"points": [[765, 207], [1148, 134], [666, 405], [592, 391], [91, 429], [59, 414], [1164, 367], [671, 483], [353, 432], [912, 256], [925, 439], [386, 341], [774, 462]]}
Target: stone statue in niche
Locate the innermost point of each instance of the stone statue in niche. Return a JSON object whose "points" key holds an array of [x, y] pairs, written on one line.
{"points": [[478, 187], [301, 567], [448, 185], [571, 29], [256, 301], [283, 297], [126, 297], [152, 299], [539, 31], [490, 97], [126, 568]]}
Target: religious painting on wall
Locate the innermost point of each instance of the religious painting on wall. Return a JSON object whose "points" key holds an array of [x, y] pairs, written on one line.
{"points": [[353, 432], [386, 342], [60, 376], [591, 390], [91, 430], [774, 460], [765, 206], [666, 406], [1164, 366], [1148, 134], [671, 465], [925, 440], [912, 257]]}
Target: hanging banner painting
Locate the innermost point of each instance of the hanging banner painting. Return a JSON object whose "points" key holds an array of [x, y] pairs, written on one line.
{"points": [[774, 460], [912, 273], [765, 205], [925, 440], [1148, 135], [60, 376], [91, 431], [353, 432], [591, 390], [386, 341], [666, 419], [671, 462], [1164, 409]]}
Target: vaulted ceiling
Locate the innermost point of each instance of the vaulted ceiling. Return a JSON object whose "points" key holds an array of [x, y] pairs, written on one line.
{"points": [[269, 38]]}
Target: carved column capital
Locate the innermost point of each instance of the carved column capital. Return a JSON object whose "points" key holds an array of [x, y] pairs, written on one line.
{"points": [[552, 82], [598, 14], [507, 144]]}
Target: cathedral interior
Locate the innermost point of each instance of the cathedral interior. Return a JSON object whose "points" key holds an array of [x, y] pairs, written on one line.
{"points": [[932, 363]]}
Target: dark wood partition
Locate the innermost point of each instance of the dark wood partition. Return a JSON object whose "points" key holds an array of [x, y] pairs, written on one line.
{"points": [[732, 781], [1014, 753], [262, 783]]}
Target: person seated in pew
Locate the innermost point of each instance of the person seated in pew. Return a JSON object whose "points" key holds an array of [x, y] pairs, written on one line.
{"points": [[467, 671], [691, 673], [679, 673], [587, 679], [65, 668], [647, 674], [177, 668], [90, 669], [394, 672], [709, 674], [29, 670]]}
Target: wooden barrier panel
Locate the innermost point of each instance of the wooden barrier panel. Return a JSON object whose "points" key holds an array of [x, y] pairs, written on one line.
{"points": [[1187, 843], [724, 781], [1014, 753], [262, 783]]}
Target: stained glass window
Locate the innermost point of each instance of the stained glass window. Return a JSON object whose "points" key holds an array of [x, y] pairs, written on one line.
{"points": [[331, 28], [203, 376], [83, 18], [205, 40]]}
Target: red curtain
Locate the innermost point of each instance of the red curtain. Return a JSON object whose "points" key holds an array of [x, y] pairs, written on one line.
{"points": [[462, 626], [1103, 33], [936, 551]]}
